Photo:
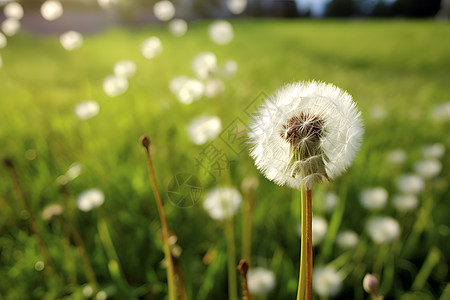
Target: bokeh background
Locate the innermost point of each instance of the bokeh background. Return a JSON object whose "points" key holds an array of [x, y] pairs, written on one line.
{"points": [[78, 218]]}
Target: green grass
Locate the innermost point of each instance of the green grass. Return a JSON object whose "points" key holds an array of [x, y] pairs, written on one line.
{"points": [[401, 66]]}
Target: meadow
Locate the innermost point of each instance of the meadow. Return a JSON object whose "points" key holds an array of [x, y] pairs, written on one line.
{"points": [[397, 72]]}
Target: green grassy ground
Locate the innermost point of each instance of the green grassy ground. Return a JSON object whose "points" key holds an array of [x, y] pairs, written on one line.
{"points": [[400, 66]]}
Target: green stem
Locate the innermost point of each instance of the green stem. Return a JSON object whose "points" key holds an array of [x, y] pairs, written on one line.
{"points": [[302, 273], [247, 214], [309, 254], [231, 252]]}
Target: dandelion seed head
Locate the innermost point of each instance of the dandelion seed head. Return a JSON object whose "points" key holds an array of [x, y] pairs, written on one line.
{"points": [[383, 230], [330, 202], [428, 168], [101, 295], [10, 26], [107, 3], [178, 27], [125, 68], [71, 40], [433, 151], [187, 89], [441, 112], [410, 184], [214, 87], [204, 129], [222, 202], [87, 291], [260, 281], [221, 32], [374, 198], [51, 211], [405, 203], [397, 156], [151, 47], [74, 171], [90, 199], [236, 6], [230, 68], [115, 85], [164, 10], [347, 239], [13, 10], [51, 10], [204, 64], [3, 41], [87, 109], [327, 282]]}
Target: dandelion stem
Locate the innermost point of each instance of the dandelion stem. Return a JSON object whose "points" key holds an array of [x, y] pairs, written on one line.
{"points": [[243, 268], [309, 254], [168, 255], [231, 252], [302, 273], [247, 215]]}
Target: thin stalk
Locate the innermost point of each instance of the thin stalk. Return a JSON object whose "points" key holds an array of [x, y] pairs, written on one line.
{"points": [[302, 273], [168, 255], [247, 216], [231, 253], [309, 254], [243, 268]]}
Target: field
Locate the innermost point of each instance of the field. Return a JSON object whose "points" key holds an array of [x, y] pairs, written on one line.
{"points": [[397, 72]]}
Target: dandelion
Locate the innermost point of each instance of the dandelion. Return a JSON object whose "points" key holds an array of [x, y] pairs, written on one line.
{"points": [[441, 112], [10, 26], [204, 129], [405, 203], [74, 171], [213, 87], [347, 239], [397, 156], [87, 109], [330, 202], [378, 113], [90, 199], [51, 10], [383, 230], [230, 68], [260, 281], [151, 47], [374, 198], [433, 151], [125, 68], [107, 3], [222, 202], [204, 64], [428, 168], [237, 6], [221, 32], [187, 89], [114, 85], [51, 211], [13, 10], [3, 41], [327, 282], [71, 40], [410, 184], [178, 27], [164, 10]]}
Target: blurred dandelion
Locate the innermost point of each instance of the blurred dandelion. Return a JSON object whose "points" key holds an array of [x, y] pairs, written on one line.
{"points": [[178, 27], [374, 198], [405, 203], [107, 3], [204, 64], [378, 113], [222, 202], [327, 282], [11, 26], [397, 156], [51, 10], [164, 10], [3, 41], [187, 89], [1, 62], [74, 171], [229, 68], [87, 109], [151, 47], [71, 40], [51, 211], [433, 151], [39, 265], [13, 10], [213, 87], [90, 199], [383, 230], [428, 168], [410, 184], [261, 281], [347, 239], [221, 32], [319, 230], [330, 202], [441, 112], [125, 68], [236, 6], [114, 85], [204, 129]]}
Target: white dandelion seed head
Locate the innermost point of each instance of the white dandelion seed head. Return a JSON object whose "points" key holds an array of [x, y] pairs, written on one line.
{"points": [[433, 151], [221, 32], [204, 64], [115, 85], [330, 202], [90, 199], [107, 3], [151, 47], [222, 202], [214, 87], [3, 41], [204, 129], [327, 282], [319, 230], [125, 68], [405, 203], [236, 6], [397, 156], [87, 109], [260, 281], [383, 230], [441, 112], [178, 27], [428, 168], [306, 132], [187, 89], [164, 10], [71, 40], [410, 184], [374, 198], [87, 291], [230, 68], [13, 10], [347, 239], [74, 171], [51, 211], [10, 26], [51, 10]]}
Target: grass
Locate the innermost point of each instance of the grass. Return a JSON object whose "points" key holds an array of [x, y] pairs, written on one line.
{"points": [[401, 66]]}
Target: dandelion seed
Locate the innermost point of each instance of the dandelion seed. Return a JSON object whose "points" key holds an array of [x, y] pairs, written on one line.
{"points": [[164, 10], [428, 168], [305, 133], [87, 109], [10, 26], [433, 151], [213, 87], [13, 10], [327, 282], [347, 239], [90, 199], [374, 198], [114, 85], [405, 203], [125, 68], [260, 281], [51, 211], [71, 40], [178, 27], [383, 230], [237, 6], [221, 32], [204, 129], [204, 64], [441, 112], [396, 156], [151, 47], [51, 10], [410, 184], [3, 41], [222, 202]]}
